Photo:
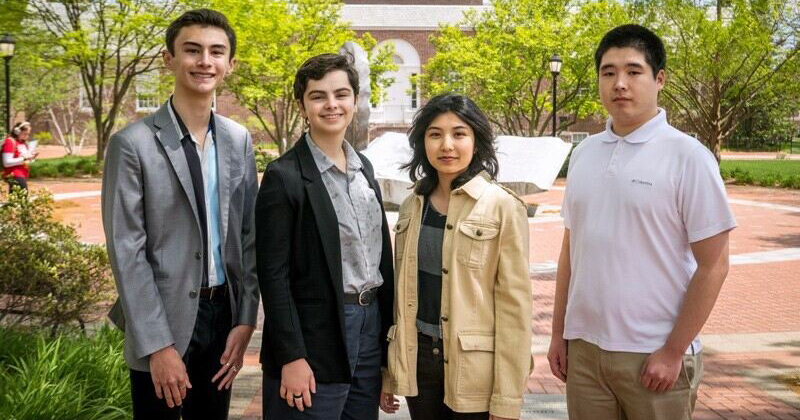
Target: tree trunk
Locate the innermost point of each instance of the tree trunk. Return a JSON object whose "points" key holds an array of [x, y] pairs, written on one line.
{"points": [[101, 138]]}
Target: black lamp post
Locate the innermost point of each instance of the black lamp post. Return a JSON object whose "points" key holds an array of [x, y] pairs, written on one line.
{"points": [[555, 69], [7, 44]]}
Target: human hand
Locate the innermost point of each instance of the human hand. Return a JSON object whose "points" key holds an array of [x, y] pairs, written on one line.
{"points": [[389, 403], [233, 357], [297, 380], [169, 376], [661, 370], [557, 357]]}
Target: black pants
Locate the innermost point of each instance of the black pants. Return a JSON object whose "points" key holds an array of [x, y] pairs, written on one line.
{"points": [[203, 401], [22, 183], [429, 403]]}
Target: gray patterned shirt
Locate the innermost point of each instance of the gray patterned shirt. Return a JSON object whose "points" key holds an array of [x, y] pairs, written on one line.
{"points": [[359, 215]]}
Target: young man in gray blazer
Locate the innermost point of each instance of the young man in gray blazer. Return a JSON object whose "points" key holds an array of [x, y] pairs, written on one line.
{"points": [[179, 188]]}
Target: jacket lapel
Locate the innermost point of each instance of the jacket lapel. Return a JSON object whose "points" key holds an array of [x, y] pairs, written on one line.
{"points": [[170, 139], [325, 215], [224, 146]]}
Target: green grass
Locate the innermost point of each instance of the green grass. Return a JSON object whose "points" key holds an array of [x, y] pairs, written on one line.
{"points": [[66, 377], [766, 173], [68, 166]]}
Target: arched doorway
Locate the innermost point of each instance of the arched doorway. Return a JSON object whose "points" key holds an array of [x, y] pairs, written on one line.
{"points": [[402, 97]]}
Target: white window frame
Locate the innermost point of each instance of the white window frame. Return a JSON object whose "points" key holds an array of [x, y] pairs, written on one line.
{"points": [[582, 134], [146, 92], [83, 103]]}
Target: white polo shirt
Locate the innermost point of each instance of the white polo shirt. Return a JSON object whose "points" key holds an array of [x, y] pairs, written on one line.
{"points": [[633, 205]]}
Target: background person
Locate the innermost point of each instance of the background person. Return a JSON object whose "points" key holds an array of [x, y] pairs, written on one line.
{"points": [[645, 249], [17, 157], [460, 346], [324, 261]]}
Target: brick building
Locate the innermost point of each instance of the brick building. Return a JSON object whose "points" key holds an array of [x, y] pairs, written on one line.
{"points": [[408, 25]]}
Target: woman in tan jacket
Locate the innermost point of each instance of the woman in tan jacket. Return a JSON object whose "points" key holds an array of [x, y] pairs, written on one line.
{"points": [[460, 344]]}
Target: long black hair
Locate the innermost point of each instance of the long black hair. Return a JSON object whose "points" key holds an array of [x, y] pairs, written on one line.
{"points": [[420, 169]]}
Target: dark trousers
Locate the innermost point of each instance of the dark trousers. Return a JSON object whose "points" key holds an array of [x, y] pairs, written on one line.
{"points": [[203, 401], [429, 403], [357, 400], [22, 183]]}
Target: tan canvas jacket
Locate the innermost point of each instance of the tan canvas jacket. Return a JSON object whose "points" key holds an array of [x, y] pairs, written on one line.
{"points": [[486, 300]]}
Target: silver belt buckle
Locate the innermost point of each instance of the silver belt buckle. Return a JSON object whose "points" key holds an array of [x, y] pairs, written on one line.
{"points": [[361, 298]]}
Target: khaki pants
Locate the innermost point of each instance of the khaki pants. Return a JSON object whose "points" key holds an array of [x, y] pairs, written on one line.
{"points": [[606, 385]]}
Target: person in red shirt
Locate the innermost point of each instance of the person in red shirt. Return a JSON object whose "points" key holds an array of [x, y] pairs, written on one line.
{"points": [[16, 156]]}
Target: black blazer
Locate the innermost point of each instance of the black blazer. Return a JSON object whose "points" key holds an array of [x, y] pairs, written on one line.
{"points": [[300, 269]]}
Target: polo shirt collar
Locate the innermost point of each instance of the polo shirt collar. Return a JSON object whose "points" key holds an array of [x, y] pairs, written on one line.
{"points": [[475, 186], [183, 131], [642, 134]]}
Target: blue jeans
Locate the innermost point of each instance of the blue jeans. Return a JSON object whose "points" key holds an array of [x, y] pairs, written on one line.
{"points": [[357, 400]]}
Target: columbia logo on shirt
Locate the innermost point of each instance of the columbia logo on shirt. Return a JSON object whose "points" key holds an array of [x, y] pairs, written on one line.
{"points": [[640, 182]]}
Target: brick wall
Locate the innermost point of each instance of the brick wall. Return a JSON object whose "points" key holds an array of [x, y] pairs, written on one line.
{"points": [[417, 38]]}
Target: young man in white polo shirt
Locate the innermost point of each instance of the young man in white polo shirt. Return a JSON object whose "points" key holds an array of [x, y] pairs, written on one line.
{"points": [[645, 249]]}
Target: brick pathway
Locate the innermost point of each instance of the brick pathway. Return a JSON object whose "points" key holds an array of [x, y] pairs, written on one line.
{"points": [[741, 358]]}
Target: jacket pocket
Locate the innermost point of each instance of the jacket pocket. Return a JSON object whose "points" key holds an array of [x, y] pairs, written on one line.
{"points": [[475, 364], [400, 230], [474, 241], [392, 352]]}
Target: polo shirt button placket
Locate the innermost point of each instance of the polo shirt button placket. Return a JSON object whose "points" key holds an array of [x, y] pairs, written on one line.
{"points": [[612, 165]]}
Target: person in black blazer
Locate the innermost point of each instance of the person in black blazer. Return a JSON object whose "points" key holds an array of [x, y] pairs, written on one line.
{"points": [[324, 261]]}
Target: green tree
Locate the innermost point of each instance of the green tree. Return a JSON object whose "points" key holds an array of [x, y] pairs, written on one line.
{"points": [[275, 37], [108, 43], [502, 61], [39, 79], [727, 61]]}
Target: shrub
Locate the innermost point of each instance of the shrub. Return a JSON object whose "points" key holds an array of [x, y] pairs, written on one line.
{"points": [[791, 182], [68, 166], [42, 171], [263, 157], [66, 377], [87, 166], [48, 278]]}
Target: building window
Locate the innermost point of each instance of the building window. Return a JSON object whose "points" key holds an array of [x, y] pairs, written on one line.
{"points": [[414, 94], [147, 95], [83, 102], [576, 138]]}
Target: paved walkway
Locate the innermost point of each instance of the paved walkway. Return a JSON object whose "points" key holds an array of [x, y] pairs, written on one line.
{"points": [[751, 338], [759, 155]]}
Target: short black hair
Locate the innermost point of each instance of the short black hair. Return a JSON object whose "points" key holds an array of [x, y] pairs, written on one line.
{"points": [[637, 37], [485, 159], [204, 18], [315, 68]]}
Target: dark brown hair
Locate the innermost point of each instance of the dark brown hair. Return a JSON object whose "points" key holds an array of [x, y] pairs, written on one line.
{"points": [[204, 18], [315, 68]]}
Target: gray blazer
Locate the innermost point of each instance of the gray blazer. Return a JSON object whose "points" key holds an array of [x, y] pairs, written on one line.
{"points": [[154, 238]]}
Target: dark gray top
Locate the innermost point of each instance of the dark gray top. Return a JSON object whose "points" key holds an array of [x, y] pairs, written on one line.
{"points": [[429, 284]]}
